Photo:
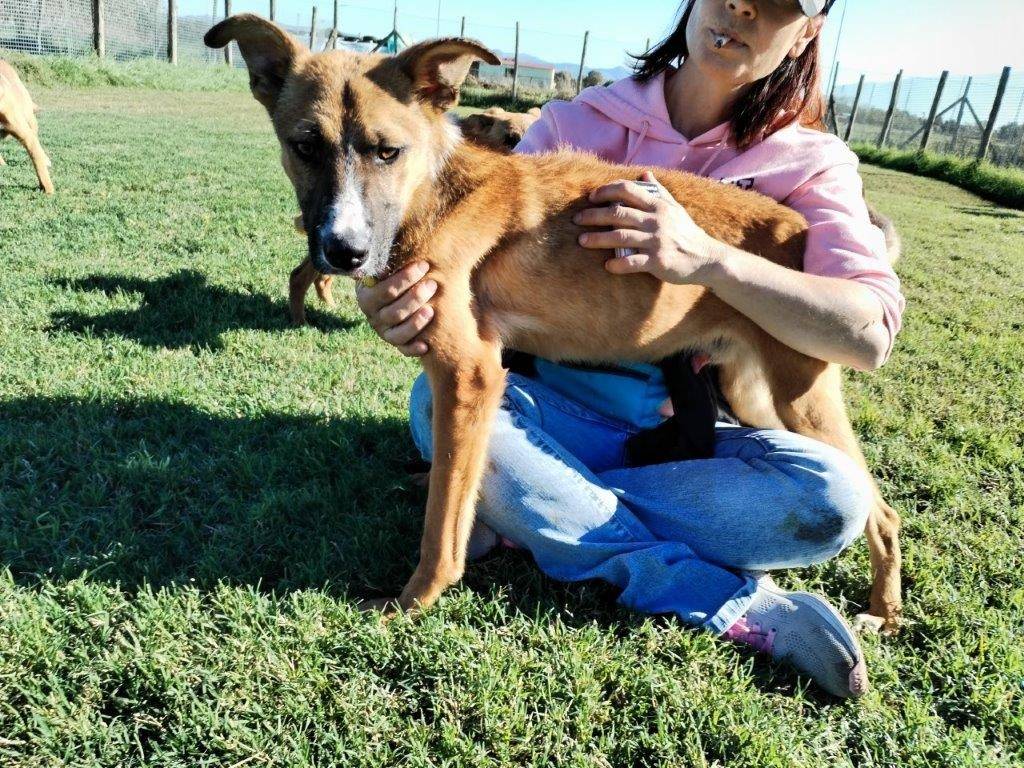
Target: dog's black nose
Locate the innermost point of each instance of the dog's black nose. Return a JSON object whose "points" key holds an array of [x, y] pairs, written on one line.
{"points": [[342, 256]]}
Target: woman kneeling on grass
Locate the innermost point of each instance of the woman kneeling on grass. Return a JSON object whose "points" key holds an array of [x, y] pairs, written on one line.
{"points": [[732, 93]]}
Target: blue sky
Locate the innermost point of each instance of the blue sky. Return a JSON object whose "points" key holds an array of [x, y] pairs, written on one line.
{"points": [[880, 36]]}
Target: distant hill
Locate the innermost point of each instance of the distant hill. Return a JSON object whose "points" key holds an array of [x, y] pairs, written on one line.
{"points": [[612, 73]]}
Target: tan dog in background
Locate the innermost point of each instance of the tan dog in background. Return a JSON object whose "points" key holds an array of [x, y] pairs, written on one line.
{"points": [[384, 178], [497, 128], [493, 128], [18, 119]]}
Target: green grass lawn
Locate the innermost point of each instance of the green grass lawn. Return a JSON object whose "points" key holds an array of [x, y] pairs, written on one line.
{"points": [[192, 495], [1004, 186]]}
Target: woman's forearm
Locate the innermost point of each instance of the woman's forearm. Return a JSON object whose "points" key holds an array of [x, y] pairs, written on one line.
{"points": [[829, 318]]}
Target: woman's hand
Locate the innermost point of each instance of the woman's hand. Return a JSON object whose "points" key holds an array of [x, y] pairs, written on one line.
{"points": [[397, 307], [668, 244]]}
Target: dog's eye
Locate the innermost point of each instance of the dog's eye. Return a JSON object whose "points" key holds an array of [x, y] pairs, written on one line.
{"points": [[388, 154], [304, 149]]}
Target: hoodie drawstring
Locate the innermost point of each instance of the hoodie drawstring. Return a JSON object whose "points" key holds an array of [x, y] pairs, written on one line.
{"points": [[721, 147], [634, 146]]}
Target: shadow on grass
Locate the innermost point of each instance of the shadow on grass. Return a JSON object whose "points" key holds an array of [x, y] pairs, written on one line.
{"points": [[992, 213], [182, 310], [17, 177], [153, 492]]}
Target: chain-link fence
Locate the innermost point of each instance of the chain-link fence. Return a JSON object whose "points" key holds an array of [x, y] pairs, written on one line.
{"points": [[915, 113], [133, 29]]}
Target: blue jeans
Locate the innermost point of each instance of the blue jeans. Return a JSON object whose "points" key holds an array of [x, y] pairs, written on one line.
{"points": [[677, 538]]}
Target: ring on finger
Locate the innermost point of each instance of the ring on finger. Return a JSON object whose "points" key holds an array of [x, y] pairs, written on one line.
{"points": [[621, 253]]}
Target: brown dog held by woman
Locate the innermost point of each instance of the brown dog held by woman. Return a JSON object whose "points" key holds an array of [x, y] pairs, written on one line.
{"points": [[383, 178], [18, 119]]}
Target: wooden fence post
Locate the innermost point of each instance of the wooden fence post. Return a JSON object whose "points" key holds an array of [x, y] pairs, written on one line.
{"points": [[832, 80], [935, 110], [583, 61], [99, 32], [986, 138], [172, 31], [312, 30], [960, 114], [229, 56], [831, 104], [883, 137], [462, 30], [515, 67], [336, 30], [853, 112], [273, 9], [39, 27]]}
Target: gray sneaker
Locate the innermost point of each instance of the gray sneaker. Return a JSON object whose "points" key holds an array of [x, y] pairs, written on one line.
{"points": [[803, 630]]}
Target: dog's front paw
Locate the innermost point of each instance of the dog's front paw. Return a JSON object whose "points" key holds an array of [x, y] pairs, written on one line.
{"points": [[386, 607], [866, 624], [869, 624]]}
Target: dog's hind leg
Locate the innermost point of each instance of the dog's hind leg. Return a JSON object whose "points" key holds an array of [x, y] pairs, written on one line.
{"points": [[467, 382], [301, 279], [807, 398], [818, 412], [30, 141], [886, 607], [883, 525]]}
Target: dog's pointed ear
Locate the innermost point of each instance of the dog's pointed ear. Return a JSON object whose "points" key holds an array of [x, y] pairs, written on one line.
{"points": [[268, 50], [438, 68]]}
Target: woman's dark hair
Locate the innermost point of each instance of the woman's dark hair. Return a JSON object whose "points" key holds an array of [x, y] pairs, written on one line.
{"points": [[791, 93]]}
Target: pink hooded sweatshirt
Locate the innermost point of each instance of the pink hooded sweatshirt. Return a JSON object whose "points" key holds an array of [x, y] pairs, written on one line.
{"points": [[812, 172]]}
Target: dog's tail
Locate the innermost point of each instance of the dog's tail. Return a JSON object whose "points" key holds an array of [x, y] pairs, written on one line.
{"points": [[893, 242]]}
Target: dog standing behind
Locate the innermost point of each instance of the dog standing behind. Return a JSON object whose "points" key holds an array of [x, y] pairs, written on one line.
{"points": [[18, 119], [494, 128]]}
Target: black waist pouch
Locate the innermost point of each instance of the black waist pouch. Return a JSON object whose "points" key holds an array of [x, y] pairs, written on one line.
{"points": [[690, 432]]}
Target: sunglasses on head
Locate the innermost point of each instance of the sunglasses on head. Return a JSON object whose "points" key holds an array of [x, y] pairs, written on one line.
{"points": [[807, 7]]}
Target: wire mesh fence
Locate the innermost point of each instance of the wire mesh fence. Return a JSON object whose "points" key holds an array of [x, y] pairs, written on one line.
{"points": [[950, 121], [134, 29], [47, 26]]}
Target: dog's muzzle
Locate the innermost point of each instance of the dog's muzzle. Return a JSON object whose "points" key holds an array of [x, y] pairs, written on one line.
{"points": [[338, 256]]}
